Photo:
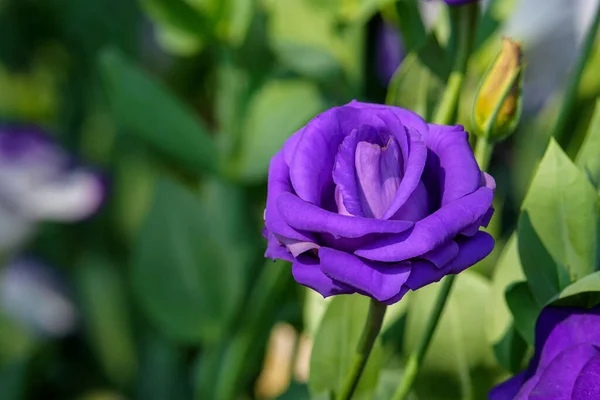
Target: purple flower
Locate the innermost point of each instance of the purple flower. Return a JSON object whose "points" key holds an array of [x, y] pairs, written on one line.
{"points": [[35, 295], [38, 181], [388, 50], [371, 199], [566, 364]]}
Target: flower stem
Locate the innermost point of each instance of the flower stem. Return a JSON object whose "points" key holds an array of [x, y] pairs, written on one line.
{"points": [[483, 152], [416, 358], [573, 84], [369, 334], [463, 26]]}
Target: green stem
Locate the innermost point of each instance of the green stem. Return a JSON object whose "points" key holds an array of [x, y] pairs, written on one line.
{"points": [[369, 334], [575, 79], [416, 358], [483, 152], [463, 26]]}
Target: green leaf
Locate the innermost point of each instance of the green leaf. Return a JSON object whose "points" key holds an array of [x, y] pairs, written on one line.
{"points": [[418, 82], [180, 16], [321, 51], [235, 19], [414, 33], [558, 229], [144, 107], [459, 344], [508, 270], [583, 293], [102, 295], [185, 278], [524, 309], [275, 112], [587, 157], [335, 345], [163, 370], [510, 350]]}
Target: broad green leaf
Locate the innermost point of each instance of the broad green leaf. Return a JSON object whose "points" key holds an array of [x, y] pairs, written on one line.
{"points": [[335, 344], [583, 293], [524, 309], [321, 51], [508, 270], [458, 345], [315, 307], [560, 218], [144, 107], [163, 370], [184, 276], [510, 350], [414, 33], [275, 112], [104, 301], [234, 19], [588, 157]]}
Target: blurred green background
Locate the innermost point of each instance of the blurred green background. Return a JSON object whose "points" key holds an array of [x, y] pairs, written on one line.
{"points": [[181, 104]]}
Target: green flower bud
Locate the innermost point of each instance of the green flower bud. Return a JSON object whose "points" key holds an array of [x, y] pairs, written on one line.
{"points": [[498, 102]]}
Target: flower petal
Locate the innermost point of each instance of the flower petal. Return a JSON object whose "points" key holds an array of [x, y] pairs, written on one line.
{"points": [[345, 172], [379, 280], [459, 172], [587, 385], [471, 250], [442, 255], [275, 249], [304, 216], [314, 157], [307, 272], [509, 389], [279, 182], [432, 231], [557, 380]]}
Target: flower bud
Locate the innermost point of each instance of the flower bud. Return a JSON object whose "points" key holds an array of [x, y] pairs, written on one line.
{"points": [[499, 100]]}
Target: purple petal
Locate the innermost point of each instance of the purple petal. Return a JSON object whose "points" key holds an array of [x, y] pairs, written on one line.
{"points": [[432, 231], [304, 216], [296, 247], [557, 380], [314, 158], [279, 182], [307, 272], [406, 117], [276, 250], [471, 251], [560, 328], [344, 170], [459, 172], [379, 280], [413, 169], [378, 171], [509, 389], [587, 385], [442, 255]]}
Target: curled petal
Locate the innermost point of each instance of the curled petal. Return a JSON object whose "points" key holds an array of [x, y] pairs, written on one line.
{"points": [[307, 272], [459, 172], [316, 149], [379, 280], [432, 231], [275, 250], [279, 182], [302, 215], [509, 389]]}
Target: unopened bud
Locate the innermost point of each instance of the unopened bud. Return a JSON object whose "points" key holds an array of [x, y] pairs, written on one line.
{"points": [[499, 100]]}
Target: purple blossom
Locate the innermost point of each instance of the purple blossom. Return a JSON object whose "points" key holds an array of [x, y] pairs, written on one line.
{"points": [[389, 51], [34, 295], [566, 364], [458, 2], [38, 181], [372, 199]]}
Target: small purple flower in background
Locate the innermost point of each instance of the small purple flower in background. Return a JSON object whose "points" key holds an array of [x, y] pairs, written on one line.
{"points": [[372, 199], [39, 182], [566, 364], [389, 51], [34, 295]]}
